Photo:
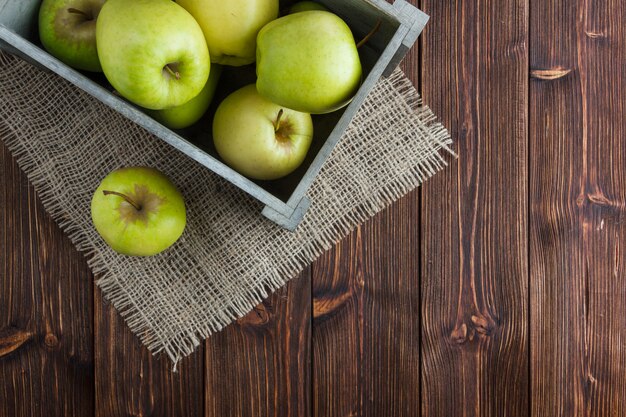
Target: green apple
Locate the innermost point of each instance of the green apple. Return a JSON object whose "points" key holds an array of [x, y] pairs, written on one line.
{"points": [[305, 6], [258, 138], [152, 52], [138, 211], [189, 113], [231, 26], [308, 62], [67, 29]]}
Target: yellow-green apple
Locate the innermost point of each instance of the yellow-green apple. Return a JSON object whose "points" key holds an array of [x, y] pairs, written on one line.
{"points": [[305, 6], [231, 26], [308, 62], [189, 113], [67, 29], [138, 211], [152, 52], [258, 138]]}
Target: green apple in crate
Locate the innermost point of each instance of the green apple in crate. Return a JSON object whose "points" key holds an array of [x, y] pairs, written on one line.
{"points": [[308, 62], [138, 211], [189, 113], [67, 29], [152, 52], [258, 138], [305, 6], [231, 26]]}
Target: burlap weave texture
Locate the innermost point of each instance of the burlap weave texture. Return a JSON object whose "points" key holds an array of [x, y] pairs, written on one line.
{"points": [[230, 257]]}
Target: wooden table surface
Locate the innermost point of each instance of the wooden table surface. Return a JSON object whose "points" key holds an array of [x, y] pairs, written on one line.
{"points": [[497, 289]]}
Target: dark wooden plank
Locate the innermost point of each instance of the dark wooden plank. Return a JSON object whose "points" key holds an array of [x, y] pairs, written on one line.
{"points": [[337, 330], [131, 382], [366, 306], [366, 314], [46, 296], [474, 221], [261, 365], [578, 208], [366, 326]]}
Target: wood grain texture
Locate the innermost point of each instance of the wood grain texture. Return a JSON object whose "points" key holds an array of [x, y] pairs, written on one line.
{"points": [[366, 319], [366, 307], [261, 365], [578, 209], [129, 381], [46, 295], [474, 214]]}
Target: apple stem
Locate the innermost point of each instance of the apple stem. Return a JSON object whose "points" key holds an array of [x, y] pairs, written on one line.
{"points": [[277, 124], [174, 74], [369, 35], [125, 197], [76, 11]]}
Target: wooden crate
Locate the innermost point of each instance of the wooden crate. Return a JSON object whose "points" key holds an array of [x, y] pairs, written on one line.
{"points": [[285, 199]]}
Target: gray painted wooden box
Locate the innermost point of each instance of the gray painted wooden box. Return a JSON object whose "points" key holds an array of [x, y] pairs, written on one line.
{"points": [[285, 200]]}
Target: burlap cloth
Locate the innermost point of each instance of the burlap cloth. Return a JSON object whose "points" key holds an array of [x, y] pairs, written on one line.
{"points": [[230, 257]]}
